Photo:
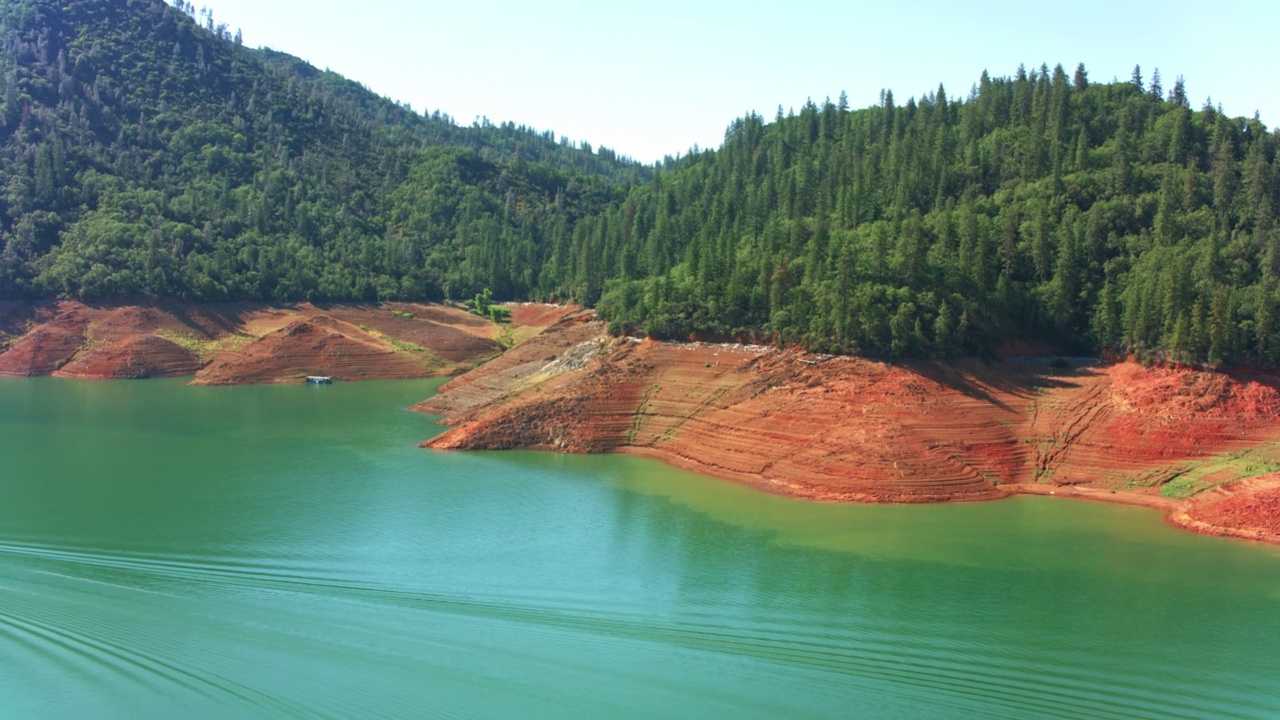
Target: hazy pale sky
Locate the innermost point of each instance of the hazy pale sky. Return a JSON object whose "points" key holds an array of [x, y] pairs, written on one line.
{"points": [[655, 78]]}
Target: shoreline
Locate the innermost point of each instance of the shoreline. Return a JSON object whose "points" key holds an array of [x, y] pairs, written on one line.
{"points": [[252, 343], [1180, 520], [808, 426], [1174, 512], [1115, 497], [845, 429], [1073, 492]]}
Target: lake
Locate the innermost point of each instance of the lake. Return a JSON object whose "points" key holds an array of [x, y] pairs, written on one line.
{"points": [[287, 551]]}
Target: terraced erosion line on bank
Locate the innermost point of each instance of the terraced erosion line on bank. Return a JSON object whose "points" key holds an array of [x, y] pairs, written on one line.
{"points": [[1203, 445], [849, 429], [245, 343]]}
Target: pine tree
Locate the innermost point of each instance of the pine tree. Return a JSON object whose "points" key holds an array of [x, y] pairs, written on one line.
{"points": [[1178, 95], [1081, 80]]}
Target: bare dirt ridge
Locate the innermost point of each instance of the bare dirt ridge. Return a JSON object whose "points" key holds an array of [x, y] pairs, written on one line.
{"points": [[241, 343], [849, 429]]}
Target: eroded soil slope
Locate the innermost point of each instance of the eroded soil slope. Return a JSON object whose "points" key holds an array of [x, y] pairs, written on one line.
{"points": [[839, 428], [828, 428], [242, 343], [39, 341], [528, 364], [1249, 509]]}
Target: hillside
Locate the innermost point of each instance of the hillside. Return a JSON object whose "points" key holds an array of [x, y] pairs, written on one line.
{"points": [[1202, 445], [147, 156], [256, 343], [1044, 211]]}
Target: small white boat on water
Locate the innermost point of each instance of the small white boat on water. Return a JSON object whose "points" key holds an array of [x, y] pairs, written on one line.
{"points": [[319, 380]]}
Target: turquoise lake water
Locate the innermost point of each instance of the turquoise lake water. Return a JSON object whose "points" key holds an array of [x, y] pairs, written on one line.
{"points": [[168, 551]]}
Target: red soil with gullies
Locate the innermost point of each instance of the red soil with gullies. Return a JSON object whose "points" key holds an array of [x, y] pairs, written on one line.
{"points": [[849, 429], [316, 345], [539, 315], [1204, 445], [38, 341], [242, 342]]}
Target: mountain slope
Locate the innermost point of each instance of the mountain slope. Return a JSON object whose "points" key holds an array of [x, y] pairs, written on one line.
{"points": [[1044, 210], [148, 156]]}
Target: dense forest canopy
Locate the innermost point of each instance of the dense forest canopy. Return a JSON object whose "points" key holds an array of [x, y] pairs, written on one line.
{"points": [[1042, 207], [147, 154]]}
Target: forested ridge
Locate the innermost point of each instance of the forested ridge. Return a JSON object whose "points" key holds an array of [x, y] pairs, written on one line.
{"points": [[148, 154], [1043, 208]]}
